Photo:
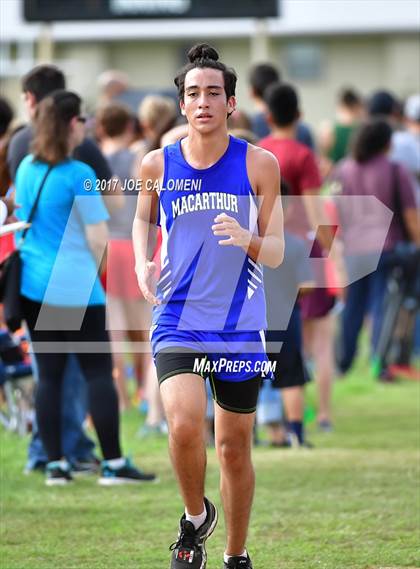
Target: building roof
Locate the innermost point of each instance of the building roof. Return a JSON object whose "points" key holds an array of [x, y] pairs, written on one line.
{"points": [[298, 17]]}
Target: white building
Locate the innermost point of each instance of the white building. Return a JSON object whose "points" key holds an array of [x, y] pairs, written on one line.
{"points": [[320, 45]]}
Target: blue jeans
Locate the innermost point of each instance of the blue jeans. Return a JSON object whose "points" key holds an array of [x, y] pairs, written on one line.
{"points": [[75, 444], [417, 337], [270, 406], [364, 296], [2, 373]]}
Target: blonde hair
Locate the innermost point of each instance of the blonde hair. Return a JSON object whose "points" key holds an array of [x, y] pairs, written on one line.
{"points": [[156, 111]]}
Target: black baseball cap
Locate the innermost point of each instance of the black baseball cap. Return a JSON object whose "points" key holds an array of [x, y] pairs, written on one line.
{"points": [[382, 103]]}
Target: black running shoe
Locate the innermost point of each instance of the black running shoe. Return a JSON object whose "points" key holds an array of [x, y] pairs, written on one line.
{"points": [[126, 474], [189, 552], [238, 563], [58, 473]]}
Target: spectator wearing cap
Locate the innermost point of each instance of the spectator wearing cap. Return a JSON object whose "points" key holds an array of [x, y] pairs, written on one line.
{"points": [[384, 104]]}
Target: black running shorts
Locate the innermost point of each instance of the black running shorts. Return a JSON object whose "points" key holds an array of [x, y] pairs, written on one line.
{"points": [[290, 370], [235, 396]]}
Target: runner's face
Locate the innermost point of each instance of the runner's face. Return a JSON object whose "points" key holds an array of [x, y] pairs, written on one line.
{"points": [[204, 103]]}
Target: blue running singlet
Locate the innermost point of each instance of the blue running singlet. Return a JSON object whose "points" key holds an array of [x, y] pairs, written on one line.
{"points": [[204, 285]]}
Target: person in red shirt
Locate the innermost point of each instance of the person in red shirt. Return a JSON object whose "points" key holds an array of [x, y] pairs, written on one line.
{"points": [[300, 170]]}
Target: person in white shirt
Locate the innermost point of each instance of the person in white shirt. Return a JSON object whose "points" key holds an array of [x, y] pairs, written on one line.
{"points": [[406, 143]]}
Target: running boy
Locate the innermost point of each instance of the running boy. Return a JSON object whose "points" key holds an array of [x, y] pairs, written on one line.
{"points": [[209, 308]]}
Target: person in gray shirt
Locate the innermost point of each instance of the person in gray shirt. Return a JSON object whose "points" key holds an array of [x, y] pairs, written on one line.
{"points": [[129, 315]]}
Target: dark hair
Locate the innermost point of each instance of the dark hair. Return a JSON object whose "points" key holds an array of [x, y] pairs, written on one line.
{"points": [[372, 139], [349, 98], [52, 126], [285, 188], [43, 80], [5, 176], [114, 119], [285, 193], [262, 76], [204, 56], [283, 103], [382, 103], [6, 115]]}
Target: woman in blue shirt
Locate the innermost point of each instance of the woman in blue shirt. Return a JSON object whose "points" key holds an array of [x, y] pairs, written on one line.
{"points": [[63, 300]]}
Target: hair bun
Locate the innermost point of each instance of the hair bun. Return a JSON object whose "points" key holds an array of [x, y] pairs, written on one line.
{"points": [[202, 51]]}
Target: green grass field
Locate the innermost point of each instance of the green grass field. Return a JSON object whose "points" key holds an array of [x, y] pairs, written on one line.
{"points": [[351, 503]]}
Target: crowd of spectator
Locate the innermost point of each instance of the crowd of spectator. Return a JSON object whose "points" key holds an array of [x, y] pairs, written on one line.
{"points": [[78, 280]]}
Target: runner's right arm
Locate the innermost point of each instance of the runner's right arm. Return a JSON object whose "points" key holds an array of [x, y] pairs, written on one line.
{"points": [[144, 226]]}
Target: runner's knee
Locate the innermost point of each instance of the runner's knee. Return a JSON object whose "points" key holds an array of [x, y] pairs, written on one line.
{"points": [[233, 452], [186, 431]]}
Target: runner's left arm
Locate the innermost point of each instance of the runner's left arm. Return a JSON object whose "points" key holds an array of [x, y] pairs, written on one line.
{"points": [[266, 247]]}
